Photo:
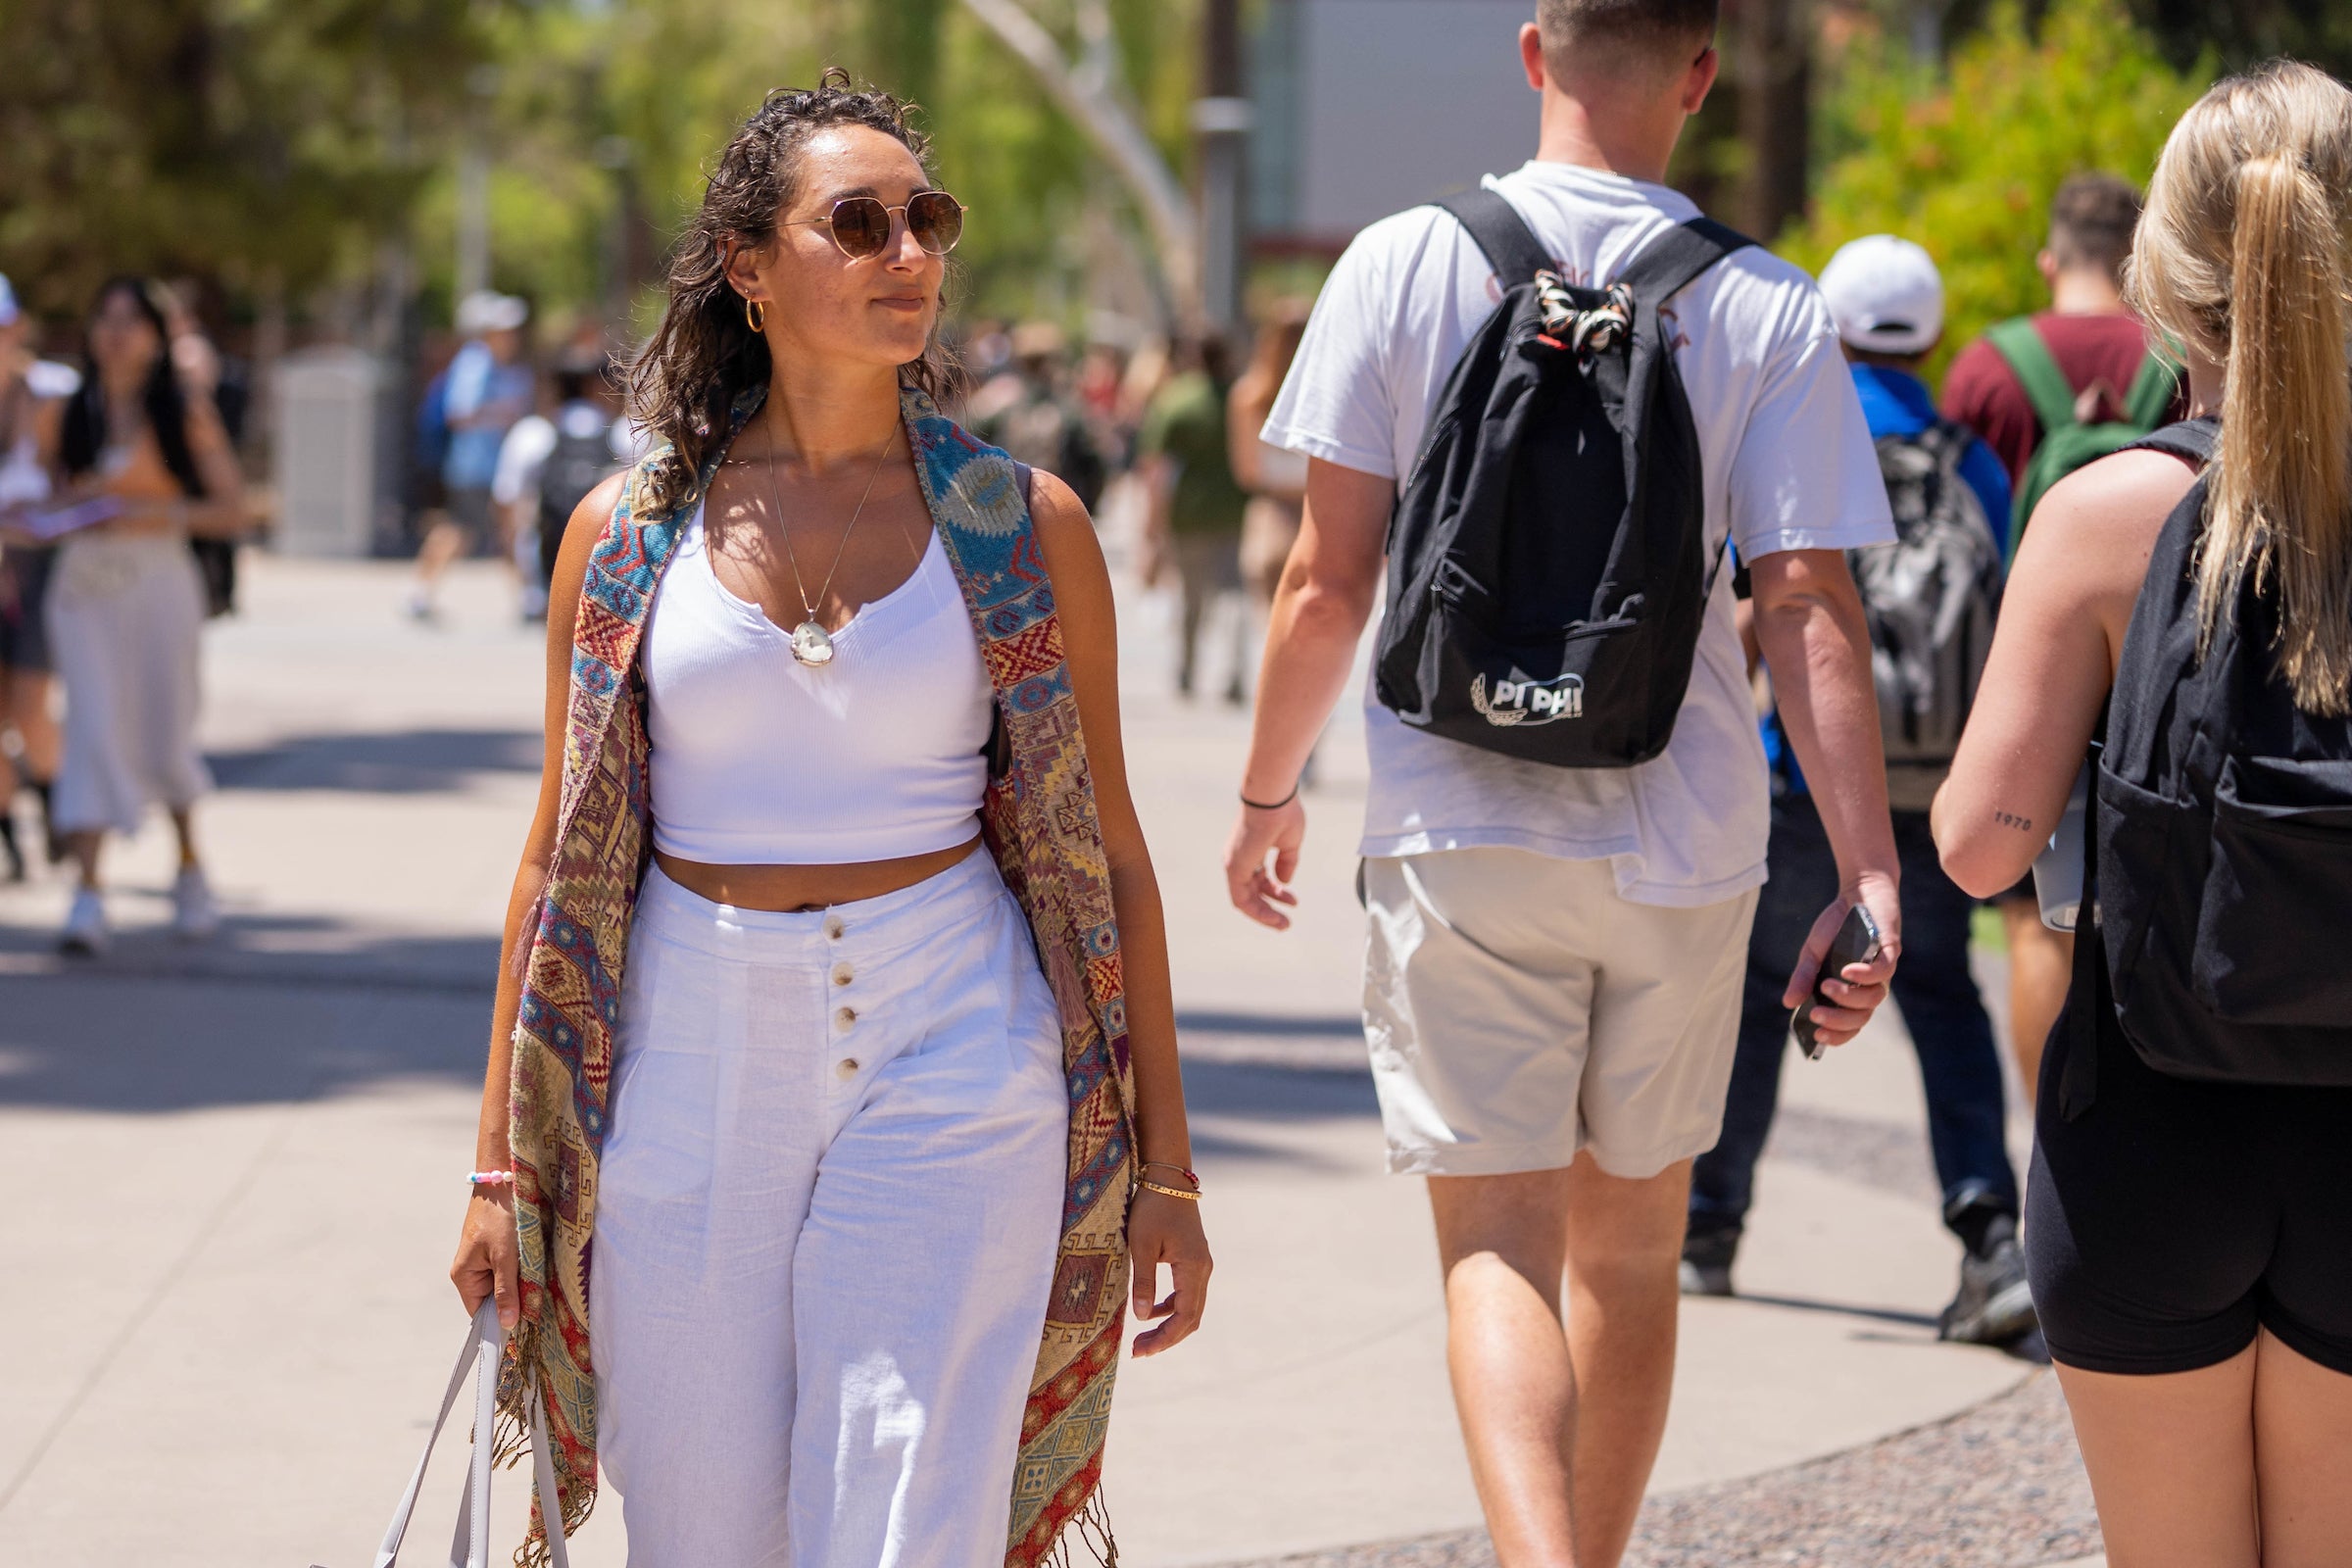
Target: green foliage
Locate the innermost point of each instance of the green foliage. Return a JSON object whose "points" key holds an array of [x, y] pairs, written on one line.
{"points": [[247, 141], [1963, 158], [609, 115]]}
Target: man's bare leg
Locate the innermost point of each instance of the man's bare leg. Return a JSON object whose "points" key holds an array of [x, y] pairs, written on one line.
{"points": [[1562, 1419], [1625, 1244]]}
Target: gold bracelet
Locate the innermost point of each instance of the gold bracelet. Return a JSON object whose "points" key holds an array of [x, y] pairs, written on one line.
{"points": [[1150, 1186]]}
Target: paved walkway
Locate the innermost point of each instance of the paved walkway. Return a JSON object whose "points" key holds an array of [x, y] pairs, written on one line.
{"points": [[233, 1176]]}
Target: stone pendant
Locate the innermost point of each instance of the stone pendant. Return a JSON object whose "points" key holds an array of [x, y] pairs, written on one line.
{"points": [[812, 644]]}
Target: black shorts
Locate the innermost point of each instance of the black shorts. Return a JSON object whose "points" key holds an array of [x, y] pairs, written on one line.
{"points": [[24, 622], [2174, 1217]]}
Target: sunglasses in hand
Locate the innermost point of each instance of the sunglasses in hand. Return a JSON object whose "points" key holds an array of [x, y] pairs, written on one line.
{"points": [[862, 224]]}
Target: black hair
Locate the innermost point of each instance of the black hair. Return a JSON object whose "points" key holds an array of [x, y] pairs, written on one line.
{"points": [[83, 436], [704, 354]]}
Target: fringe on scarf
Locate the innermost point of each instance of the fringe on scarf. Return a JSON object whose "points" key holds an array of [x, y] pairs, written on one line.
{"points": [[1089, 1530], [511, 1444]]}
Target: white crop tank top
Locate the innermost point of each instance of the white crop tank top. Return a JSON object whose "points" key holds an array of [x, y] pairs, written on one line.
{"points": [[758, 759]]}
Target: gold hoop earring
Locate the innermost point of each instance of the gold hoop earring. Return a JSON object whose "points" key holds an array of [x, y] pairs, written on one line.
{"points": [[755, 315]]}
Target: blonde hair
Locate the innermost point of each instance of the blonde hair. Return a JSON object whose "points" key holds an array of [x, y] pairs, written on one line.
{"points": [[2243, 255]]}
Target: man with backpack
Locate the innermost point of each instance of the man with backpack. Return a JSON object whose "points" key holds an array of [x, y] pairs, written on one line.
{"points": [[1568, 390], [2049, 393], [1932, 597], [549, 462]]}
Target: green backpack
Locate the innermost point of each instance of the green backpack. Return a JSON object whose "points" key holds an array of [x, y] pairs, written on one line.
{"points": [[2067, 444]]}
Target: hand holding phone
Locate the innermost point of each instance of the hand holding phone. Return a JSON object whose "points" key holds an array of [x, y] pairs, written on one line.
{"points": [[1856, 941]]}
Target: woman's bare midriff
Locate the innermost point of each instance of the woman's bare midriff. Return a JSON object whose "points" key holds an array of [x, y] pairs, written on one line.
{"points": [[807, 887]]}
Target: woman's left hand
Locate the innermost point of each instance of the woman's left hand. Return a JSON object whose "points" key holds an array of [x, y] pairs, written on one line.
{"points": [[1167, 1230]]}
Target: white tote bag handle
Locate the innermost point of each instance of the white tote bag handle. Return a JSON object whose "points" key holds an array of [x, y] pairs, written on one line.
{"points": [[469, 1548]]}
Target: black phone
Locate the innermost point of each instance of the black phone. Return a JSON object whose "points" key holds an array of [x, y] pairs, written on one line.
{"points": [[1856, 941]]}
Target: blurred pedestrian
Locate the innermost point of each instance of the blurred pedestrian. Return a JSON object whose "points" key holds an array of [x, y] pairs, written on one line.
{"points": [[1275, 477], [2183, 611], [549, 462], [1025, 409], [127, 600], [2048, 393], [1930, 597], [28, 736], [867, 1172], [487, 387], [1552, 977], [1194, 522]]}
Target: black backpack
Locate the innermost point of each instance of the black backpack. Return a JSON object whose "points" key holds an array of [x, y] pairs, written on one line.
{"points": [[1931, 598], [577, 465], [1548, 564], [2222, 839]]}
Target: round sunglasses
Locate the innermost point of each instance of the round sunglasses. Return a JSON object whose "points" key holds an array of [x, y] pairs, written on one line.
{"points": [[860, 224]]}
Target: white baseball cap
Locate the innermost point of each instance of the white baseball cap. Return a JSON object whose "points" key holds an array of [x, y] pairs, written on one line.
{"points": [[1884, 294], [487, 311]]}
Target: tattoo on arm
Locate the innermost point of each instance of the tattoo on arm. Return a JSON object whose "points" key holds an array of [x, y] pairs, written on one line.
{"points": [[2024, 824]]}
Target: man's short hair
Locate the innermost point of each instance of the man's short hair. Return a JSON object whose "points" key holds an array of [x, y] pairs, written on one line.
{"points": [[2092, 220], [1660, 31]]}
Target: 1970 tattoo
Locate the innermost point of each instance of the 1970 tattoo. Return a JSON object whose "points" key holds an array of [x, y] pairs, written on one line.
{"points": [[2024, 824]]}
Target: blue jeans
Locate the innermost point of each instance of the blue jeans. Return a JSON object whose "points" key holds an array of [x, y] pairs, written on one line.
{"points": [[1933, 986]]}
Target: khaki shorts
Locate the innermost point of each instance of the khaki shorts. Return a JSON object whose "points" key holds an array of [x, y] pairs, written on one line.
{"points": [[1519, 1010]]}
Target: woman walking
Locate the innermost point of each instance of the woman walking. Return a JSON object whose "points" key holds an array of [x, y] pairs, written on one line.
{"points": [[866, 1124], [25, 663], [2188, 605], [126, 601], [1274, 476]]}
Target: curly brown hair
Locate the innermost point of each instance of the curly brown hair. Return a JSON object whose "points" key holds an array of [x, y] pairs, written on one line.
{"points": [[683, 382]]}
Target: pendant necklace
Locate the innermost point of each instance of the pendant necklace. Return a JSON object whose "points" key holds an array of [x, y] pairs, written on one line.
{"points": [[812, 644]]}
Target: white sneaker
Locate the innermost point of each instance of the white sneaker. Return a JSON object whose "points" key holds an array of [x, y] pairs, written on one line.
{"points": [[195, 912], [85, 934]]}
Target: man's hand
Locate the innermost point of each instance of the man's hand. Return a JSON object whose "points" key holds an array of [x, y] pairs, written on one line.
{"points": [[1855, 994], [1261, 834]]}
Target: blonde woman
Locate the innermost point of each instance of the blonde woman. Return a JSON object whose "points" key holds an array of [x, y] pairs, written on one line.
{"points": [[876, 1132], [2188, 606]]}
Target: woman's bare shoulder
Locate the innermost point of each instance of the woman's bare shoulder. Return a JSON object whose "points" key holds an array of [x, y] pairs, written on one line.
{"points": [[1065, 531], [2097, 526]]}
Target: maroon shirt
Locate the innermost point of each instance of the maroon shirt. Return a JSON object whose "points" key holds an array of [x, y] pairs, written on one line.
{"points": [[1983, 393]]}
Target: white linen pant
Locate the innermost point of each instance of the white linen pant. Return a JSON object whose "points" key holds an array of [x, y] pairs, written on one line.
{"points": [[826, 1227]]}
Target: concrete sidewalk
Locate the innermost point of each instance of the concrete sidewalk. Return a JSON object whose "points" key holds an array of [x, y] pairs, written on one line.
{"points": [[237, 1168]]}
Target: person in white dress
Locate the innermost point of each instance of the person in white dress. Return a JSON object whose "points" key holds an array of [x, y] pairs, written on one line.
{"points": [[126, 609]]}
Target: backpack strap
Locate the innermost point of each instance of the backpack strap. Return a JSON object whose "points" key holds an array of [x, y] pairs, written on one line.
{"points": [[2194, 439], [1674, 260], [1510, 246], [2046, 385], [2151, 391]]}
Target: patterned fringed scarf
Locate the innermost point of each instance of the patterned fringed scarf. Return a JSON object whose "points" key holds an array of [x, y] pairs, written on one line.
{"points": [[1040, 822]]}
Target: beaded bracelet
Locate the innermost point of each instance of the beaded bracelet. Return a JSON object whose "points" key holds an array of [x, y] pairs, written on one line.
{"points": [[491, 1178], [1192, 1176], [1165, 1190]]}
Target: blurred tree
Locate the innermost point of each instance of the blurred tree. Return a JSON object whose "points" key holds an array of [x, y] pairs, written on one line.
{"points": [[1091, 90], [2243, 32], [1964, 156], [264, 144]]}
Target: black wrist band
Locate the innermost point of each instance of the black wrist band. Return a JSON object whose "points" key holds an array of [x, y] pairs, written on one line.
{"points": [[1271, 806]]}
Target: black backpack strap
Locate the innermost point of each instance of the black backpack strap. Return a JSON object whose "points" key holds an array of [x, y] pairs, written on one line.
{"points": [[1670, 262], [2087, 994], [2194, 439], [1510, 246]]}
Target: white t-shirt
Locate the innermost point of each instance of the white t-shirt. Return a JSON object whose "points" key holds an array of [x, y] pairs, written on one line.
{"points": [[1788, 463], [531, 440]]}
